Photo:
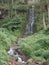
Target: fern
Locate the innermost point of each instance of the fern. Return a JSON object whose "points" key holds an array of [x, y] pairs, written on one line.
{"points": [[6, 40]]}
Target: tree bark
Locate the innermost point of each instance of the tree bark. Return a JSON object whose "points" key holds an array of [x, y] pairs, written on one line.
{"points": [[44, 23], [48, 13], [26, 1], [2, 2], [12, 1]]}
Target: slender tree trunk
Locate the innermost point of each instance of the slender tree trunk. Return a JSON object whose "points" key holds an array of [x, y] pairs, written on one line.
{"points": [[9, 9], [15, 12], [2, 2], [48, 13], [26, 1], [44, 23], [12, 1]]}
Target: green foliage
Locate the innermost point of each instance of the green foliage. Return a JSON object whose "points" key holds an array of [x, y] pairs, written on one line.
{"points": [[36, 46], [15, 25], [17, 33], [24, 7], [15, 5], [8, 36], [3, 56], [47, 30], [6, 39], [38, 17]]}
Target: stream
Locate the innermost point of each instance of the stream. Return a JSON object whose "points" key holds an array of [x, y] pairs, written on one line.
{"points": [[17, 54], [15, 51], [31, 20]]}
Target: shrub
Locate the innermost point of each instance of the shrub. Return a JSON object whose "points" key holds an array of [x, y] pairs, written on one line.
{"points": [[3, 57], [36, 46], [6, 39]]}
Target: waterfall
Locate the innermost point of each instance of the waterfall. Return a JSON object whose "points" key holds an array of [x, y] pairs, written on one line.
{"points": [[30, 23]]}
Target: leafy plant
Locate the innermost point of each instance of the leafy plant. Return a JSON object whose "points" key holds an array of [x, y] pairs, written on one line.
{"points": [[3, 57], [6, 39], [36, 46]]}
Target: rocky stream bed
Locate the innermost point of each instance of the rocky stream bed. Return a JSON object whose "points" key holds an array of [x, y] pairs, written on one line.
{"points": [[17, 57]]}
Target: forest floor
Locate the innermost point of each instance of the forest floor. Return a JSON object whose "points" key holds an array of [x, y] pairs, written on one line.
{"points": [[27, 61]]}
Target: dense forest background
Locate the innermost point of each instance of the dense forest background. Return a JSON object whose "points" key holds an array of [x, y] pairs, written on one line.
{"points": [[14, 15]]}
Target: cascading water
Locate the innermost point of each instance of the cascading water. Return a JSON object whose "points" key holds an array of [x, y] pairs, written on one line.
{"points": [[30, 23]]}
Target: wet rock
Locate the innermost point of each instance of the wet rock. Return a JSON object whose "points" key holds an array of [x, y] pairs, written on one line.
{"points": [[45, 63], [30, 61], [12, 62], [11, 51], [16, 53], [19, 59], [33, 62]]}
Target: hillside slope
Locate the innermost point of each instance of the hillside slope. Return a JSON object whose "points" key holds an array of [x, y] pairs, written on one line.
{"points": [[36, 46]]}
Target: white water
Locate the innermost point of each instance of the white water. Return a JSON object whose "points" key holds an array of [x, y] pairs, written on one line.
{"points": [[19, 59], [29, 26], [11, 53]]}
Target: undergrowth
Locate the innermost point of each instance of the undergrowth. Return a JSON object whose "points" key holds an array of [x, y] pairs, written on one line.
{"points": [[6, 40], [36, 46]]}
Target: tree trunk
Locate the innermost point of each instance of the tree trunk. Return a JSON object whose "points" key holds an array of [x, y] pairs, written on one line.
{"points": [[44, 23], [26, 1], [10, 8], [12, 2], [2, 2], [48, 13]]}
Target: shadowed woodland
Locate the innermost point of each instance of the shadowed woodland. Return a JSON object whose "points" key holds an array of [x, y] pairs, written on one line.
{"points": [[24, 32]]}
